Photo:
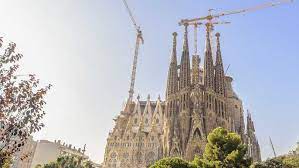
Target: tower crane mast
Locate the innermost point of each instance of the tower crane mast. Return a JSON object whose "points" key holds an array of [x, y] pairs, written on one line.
{"points": [[139, 40]]}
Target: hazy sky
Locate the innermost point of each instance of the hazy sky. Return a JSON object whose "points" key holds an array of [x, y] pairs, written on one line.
{"points": [[84, 48]]}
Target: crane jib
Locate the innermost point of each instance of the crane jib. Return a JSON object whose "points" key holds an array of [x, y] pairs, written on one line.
{"points": [[251, 9]]}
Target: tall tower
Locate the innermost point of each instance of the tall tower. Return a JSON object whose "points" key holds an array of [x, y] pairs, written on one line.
{"points": [[219, 72], [209, 94], [185, 80], [171, 106], [184, 93], [252, 142], [172, 81], [220, 105], [208, 64]]}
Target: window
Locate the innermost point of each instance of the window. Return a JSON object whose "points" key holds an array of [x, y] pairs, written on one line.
{"points": [[216, 106]]}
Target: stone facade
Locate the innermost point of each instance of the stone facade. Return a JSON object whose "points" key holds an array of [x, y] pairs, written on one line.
{"points": [[198, 99]]}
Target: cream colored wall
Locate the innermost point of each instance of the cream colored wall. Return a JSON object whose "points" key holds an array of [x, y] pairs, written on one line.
{"points": [[45, 152], [28, 150]]}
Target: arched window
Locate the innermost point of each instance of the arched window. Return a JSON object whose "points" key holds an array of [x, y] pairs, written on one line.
{"points": [[216, 107], [222, 109], [197, 133]]}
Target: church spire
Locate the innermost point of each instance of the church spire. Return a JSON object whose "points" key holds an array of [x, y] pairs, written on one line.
{"points": [[252, 142], [219, 72], [208, 64], [185, 78], [250, 125], [172, 82]]}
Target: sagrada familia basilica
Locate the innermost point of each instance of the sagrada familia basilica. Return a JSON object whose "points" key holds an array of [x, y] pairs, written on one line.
{"points": [[198, 99]]}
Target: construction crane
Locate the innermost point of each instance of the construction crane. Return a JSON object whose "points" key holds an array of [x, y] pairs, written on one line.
{"points": [[195, 37], [196, 24], [210, 17], [139, 40]]}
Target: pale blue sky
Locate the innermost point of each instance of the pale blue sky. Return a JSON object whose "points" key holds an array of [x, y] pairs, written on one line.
{"points": [[84, 48]]}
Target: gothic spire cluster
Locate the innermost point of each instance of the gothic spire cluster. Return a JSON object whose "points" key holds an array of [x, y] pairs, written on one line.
{"points": [[213, 71], [198, 99]]}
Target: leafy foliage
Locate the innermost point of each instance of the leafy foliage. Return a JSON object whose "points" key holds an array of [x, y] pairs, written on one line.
{"points": [[21, 102], [68, 162], [197, 161], [5, 160], [172, 163], [280, 162], [272, 163], [291, 161], [225, 149]]}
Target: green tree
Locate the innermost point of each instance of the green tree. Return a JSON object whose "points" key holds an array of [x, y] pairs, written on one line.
{"points": [[5, 160], [291, 161], [279, 162], [172, 163], [68, 162], [271, 163], [225, 149]]}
